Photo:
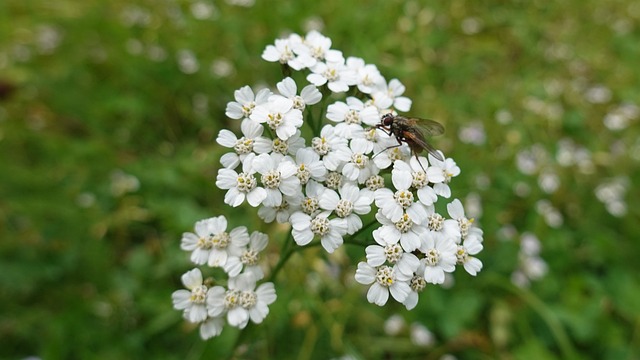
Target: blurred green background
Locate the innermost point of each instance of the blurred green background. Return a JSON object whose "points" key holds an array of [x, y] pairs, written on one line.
{"points": [[108, 116]]}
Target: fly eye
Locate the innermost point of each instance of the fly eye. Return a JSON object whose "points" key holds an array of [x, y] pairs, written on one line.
{"points": [[387, 119]]}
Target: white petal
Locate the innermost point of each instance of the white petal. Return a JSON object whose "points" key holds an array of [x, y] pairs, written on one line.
{"points": [[400, 290], [226, 138], [375, 255], [192, 278], [256, 196], [311, 95], [287, 87], [329, 200], [378, 294], [365, 274], [302, 237]]}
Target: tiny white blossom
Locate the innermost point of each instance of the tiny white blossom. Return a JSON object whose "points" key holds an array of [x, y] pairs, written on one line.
{"points": [[308, 96], [211, 243], [359, 167], [449, 170], [332, 148], [306, 228], [278, 113], [394, 204], [283, 51], [241, 146], [242, 301], [245, 102], [350, 203], [241, 185], [351, 115], [264, 145], [193, 300], [390, 95], [420, 178], [367, 75], [280, 213], [333, 73], [404, 231], [384, 280], [277, 177], [470, 246], [456, 211], [318, 47], [439, 257], [309, 166], [390, 251], [247, 257]]}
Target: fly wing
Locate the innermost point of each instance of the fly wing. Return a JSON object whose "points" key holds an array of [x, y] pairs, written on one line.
{"points": [[417, 143], [430, 127]]}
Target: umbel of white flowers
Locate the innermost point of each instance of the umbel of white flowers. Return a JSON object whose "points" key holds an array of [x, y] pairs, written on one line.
{"points": [[322, 186]]}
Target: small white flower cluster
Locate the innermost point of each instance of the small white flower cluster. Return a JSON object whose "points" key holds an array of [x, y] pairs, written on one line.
{"points": [[237, 253], [531, 265], [324, 186]]}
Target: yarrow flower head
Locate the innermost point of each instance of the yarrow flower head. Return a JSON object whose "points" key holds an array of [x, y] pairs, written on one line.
{"points": [[324, 166]]}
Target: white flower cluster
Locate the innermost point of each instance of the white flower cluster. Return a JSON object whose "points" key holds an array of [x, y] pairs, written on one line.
{"points": [[324, 186], [237, 253]]}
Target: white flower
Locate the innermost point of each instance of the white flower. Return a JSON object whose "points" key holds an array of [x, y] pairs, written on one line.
{"points": [[351, 115], [278, 113], [439, 256], [390, 95], [242, 301], [333, 73], [246, 102], [417, 285], [384, 280], [440, 226], [278, 177], [318, 47], [359, 167], [280, 213], [193, 300], [308, 96], [331, 147], [290, 146], [309, 166], [390, 251], [456, 211], [330, 232], [470, 246], [241, 185], [421, 179], [348, 205], [394, 205], [404, 231], [367, 75], [242, 146], [449, 169], [283, 52], [310, 205], [211, 243], [247, 257]]}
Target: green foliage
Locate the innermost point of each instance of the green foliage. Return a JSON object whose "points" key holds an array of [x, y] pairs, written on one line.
{"points": [[109, 154]]}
